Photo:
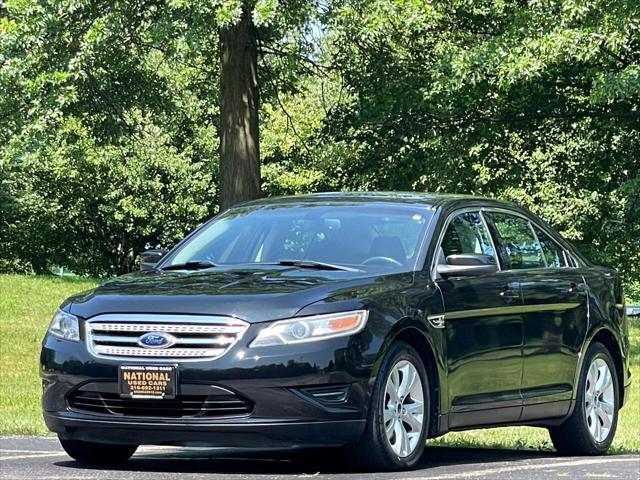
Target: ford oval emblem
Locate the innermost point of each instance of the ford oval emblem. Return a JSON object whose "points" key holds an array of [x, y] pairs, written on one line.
{"points": [[156, 340]]}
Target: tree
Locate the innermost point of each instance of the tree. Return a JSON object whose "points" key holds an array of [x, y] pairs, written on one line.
{"points": [[535, 102], [88, 85], [239, 106]]}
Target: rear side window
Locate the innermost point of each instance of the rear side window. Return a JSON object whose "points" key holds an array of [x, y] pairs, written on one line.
{"points": [[466, 233], [518, 246], [552, 252]]}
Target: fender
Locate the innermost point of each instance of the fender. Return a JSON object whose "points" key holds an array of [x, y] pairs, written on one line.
{"points": [[588, 341], [407, 329]]}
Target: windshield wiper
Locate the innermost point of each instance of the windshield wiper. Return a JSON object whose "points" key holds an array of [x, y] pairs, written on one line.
{"points": [[190, 265], [314, 265]]}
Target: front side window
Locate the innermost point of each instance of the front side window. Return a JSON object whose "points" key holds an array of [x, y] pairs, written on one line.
{"points": [[364, 236], [517, 245], [552, 252], [466, 234]]}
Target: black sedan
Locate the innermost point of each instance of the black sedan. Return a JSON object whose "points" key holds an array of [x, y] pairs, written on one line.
{"points": [[367, 320]]}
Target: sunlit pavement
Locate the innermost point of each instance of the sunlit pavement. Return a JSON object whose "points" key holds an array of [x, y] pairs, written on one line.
{"points": [[40, 458]]}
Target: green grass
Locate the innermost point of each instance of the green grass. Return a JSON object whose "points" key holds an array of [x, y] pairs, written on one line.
{"points": [[28, 302]]}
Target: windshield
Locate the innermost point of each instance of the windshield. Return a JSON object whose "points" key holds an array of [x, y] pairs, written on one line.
{"points": [[364, 236]]}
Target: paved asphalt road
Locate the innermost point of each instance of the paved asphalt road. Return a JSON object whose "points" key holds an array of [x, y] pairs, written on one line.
{"points": [[40, 458]]}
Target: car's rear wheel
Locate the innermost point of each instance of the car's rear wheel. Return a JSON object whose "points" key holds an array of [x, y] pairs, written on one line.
{"points": [[398, 418], [98, 453], [592, 425]]}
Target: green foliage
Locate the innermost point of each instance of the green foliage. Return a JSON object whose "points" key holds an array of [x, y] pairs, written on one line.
{"points": [[632, 293], [108, 118], [93, 208], [108, 123], [533, 102], [108, 138]]}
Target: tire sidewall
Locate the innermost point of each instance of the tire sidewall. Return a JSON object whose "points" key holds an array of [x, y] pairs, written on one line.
{"points": [[398, 351], [598, 351]]}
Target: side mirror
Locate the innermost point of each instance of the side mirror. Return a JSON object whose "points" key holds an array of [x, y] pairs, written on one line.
{"points": [[467, 265], [149, 258]]}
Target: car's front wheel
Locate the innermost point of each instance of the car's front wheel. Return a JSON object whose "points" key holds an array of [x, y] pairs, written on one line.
{"points": [[398, 418], [98, 453], [592, 425]]}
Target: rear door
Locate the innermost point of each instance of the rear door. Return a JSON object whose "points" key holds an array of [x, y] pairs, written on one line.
{"points": [[555, 313], [484, 331]]}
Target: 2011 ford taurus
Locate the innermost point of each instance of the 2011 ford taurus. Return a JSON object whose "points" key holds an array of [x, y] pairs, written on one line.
{"points": [[372, 321]]}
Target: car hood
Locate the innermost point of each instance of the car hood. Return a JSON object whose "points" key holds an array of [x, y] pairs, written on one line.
{"points": [[251, 294]]}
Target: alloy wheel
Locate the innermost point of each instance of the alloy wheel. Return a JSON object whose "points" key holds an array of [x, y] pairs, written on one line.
{"points": [[599, 400], [403, 409]]}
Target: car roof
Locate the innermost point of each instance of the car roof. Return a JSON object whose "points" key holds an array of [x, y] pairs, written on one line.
{"points": [[434, 200]]}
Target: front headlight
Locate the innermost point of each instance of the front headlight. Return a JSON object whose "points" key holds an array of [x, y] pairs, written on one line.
{"points": [[64, 325], [310, 329]]}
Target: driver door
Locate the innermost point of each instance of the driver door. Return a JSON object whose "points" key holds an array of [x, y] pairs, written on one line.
{"points": [[484, 331]]}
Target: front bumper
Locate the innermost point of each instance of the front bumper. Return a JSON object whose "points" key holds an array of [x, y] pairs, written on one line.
{"points": [[246, 434], [276, 380]]}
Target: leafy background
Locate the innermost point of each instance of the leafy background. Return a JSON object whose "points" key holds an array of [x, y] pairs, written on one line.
{"points": [[109, 117]]}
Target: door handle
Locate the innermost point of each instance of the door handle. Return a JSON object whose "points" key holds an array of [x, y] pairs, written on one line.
{"points": [[508, 292]]}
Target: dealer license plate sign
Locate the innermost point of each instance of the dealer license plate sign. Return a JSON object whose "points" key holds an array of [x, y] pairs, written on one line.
{"points": [[147, 381]]}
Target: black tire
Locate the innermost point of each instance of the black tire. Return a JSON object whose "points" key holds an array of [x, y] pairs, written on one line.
{"points": [[97, 453], [373, 452], [573, 436]]}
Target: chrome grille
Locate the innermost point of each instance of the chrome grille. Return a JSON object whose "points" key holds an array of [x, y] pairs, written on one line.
{"points": [[196, 337]]}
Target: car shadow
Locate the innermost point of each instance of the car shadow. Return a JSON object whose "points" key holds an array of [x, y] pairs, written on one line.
{"points": [[311, 462]]}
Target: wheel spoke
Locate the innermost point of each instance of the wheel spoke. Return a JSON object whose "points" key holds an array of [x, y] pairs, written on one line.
{"points": [[395, 378], [414, 422], [393, 396], [606, 407], [388, 415], [413, 439], [592, 420], [415, 407], [413, 377], [392, 390], [406, 448], [592, 377], [397, 432], [389, 428], [407, 378], [608, 383], [606, 421], [604, 379]]}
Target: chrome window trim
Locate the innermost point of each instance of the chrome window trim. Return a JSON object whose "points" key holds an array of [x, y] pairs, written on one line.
{"points": [[574, 263], [159, 319]]}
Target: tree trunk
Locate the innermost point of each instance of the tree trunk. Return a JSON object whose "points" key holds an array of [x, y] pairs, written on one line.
{"points": [[239, 100]]}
